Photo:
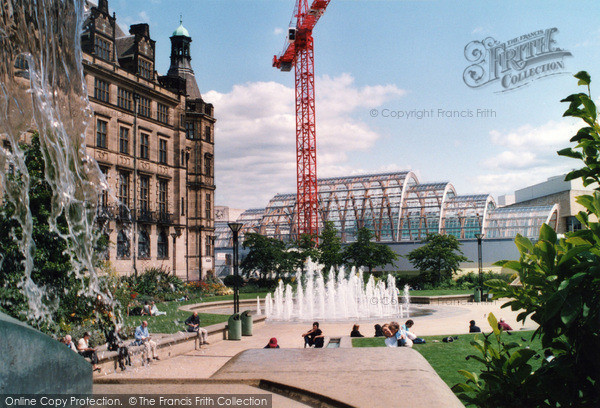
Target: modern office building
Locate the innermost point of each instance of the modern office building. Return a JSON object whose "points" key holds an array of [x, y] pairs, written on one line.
{"points": [[153, 137], [556, 191]]}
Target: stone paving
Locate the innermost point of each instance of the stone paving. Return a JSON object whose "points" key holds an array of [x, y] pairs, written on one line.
{"points": [[448, 319]]}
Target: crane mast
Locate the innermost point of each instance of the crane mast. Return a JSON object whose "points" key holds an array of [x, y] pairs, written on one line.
{"points": [[300, 53]]}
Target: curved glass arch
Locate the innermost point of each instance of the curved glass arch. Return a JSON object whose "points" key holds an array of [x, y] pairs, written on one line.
{"points": [[396, 207], [463, 215], [507, 222]]}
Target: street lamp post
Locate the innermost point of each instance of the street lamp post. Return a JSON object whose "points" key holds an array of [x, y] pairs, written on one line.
{"points": [[235, 228], [480, 261]]}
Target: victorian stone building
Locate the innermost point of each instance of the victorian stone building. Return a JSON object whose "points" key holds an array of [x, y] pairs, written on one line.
{"points": [[153, 137]]}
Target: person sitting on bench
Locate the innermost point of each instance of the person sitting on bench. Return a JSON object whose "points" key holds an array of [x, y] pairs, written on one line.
{"points": [[314, 337]]}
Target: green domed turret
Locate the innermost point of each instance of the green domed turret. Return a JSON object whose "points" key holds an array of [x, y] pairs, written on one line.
{"points": [[181, 31]]}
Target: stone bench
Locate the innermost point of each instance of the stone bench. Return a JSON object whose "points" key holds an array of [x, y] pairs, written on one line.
{"points": [[167, 345]]}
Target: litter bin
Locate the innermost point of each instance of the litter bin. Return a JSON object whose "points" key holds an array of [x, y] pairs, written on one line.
{"points": [[477, 295], [246, 323], [234, 325]]}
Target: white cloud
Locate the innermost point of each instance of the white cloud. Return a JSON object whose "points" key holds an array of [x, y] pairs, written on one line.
{"points": [[256, 135], [530, 156], [278, 31]]}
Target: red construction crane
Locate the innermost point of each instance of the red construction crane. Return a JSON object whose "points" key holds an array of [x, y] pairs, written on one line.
{"points": [[299, 52]]}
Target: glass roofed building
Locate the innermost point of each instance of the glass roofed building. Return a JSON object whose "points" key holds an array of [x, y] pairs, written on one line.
{"points": [[397, 208]]}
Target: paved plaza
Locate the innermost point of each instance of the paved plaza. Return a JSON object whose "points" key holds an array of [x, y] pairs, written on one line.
{"points": [[200, 369]]}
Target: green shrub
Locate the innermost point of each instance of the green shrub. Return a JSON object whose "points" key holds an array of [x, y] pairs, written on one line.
{"points": [[231, 280]]}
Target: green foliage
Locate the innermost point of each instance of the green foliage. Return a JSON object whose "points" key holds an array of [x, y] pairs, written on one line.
{"points": [[64, 295], [156, 283], [232, 280], [561, 285], [266, 255], [439, 259], [505, 381], [365, 253], [330, 247]]}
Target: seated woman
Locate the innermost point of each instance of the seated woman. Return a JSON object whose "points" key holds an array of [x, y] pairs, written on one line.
{"points": [[378, 331], [84, 349], [314, 337], [355, 332]]}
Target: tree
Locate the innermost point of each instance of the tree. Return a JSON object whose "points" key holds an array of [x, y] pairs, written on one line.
{"points": [[560, 290], [300, 251], [330, 248], [265, 256], [63, 295], [438, 259], [363, 252]]}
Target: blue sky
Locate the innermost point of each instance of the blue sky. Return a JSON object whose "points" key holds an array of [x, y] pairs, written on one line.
{"points": [[384, 56]]}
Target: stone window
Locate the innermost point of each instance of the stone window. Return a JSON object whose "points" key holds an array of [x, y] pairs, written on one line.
{"points": [[102, 48], [162, 151], [124, 140], [145, 146], [101, 90], [144, 195], [143, 244], [101, 130], [208, 246], [207, 134], [162, 114], [163, 191], [190, 130], [208, 166], [144, 109], [162, 245], [124, 99], [123, 191], [208, 207], [145, 69], [123, 245]]}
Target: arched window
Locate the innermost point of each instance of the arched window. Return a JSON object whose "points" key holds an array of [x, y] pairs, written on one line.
{"points": [[122, 245], [143, 244], [162, 245]]}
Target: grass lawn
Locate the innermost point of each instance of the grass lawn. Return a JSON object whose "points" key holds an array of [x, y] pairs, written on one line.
{"points": [[441, 292], [174, 320], [447, 358]]}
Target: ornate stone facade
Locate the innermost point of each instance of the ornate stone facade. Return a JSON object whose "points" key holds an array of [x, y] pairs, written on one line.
{"points": [[153, 137]]}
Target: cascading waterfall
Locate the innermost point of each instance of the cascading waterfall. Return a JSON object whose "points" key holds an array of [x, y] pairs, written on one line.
{"points": [[42, 88], [342, 297]]}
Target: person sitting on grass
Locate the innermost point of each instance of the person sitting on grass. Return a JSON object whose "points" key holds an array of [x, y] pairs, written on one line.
{"points": [[390, 338], [399, 334], [155, 311], [272, 343], [378, 331], [314, 337], [193, 325], [142, 338], [355, 332], [473, 328], [84, 349], [502, 325], [146, 310]]}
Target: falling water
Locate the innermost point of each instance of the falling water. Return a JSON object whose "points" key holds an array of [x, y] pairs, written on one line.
{"points": [[42, 88], [342, 297]]}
